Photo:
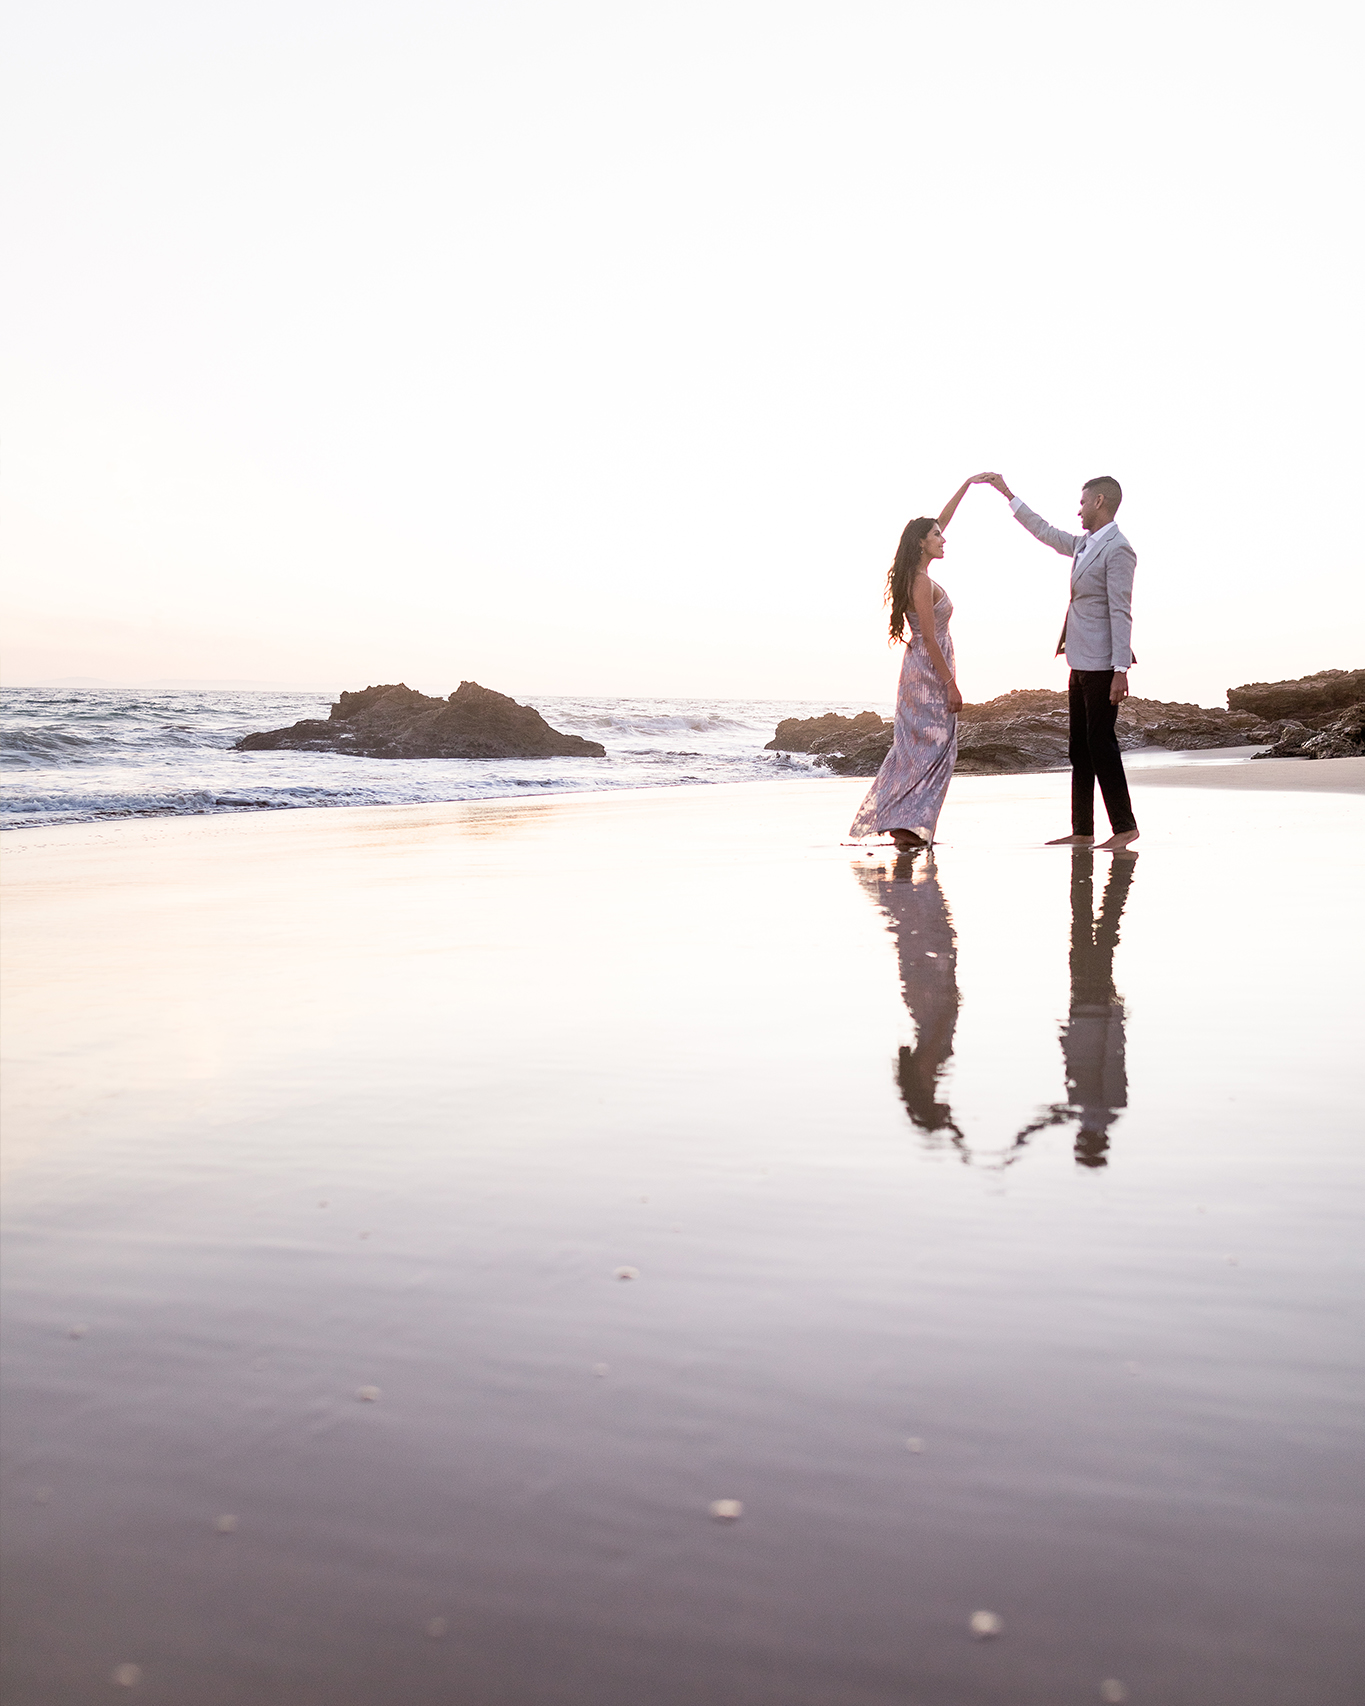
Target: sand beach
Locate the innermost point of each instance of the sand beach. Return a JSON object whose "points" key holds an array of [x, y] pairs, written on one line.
{"points": [[418, 1217]]}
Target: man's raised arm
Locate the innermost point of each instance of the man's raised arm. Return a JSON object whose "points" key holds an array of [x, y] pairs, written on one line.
{"points": [[1066, 543]]}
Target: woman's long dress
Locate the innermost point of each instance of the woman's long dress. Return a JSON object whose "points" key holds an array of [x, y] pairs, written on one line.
{"points": [[914, 777]]}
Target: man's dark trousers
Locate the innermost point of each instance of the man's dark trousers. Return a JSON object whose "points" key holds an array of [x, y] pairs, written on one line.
{"points": [[1095, 755]]}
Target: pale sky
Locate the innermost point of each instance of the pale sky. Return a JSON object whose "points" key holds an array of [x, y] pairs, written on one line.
{"points": [[607, 348]]}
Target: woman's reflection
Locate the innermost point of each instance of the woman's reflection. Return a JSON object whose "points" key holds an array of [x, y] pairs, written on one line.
{"points": [[926, 945], [1093, 1036]]}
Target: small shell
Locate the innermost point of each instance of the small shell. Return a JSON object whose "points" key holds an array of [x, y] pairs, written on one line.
{"points": [[78, 1332], [437, 1628], [626, 1273], [914, 1443], [601, 1369], [126, 1676], [369, 1394], [225, 1524], [727, 1510], [985, 1625], [1112, 1692]]}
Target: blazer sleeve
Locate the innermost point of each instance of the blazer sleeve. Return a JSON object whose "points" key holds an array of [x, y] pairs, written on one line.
{"points": [[1120, 566], [1066, 543]]}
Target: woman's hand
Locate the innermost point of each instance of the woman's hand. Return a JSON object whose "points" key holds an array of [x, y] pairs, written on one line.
{"points": [[954, 698], [950, 508]]}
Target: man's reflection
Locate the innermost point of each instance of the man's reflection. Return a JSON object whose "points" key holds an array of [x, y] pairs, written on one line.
{"points": [[1093, 1036], [926, 945]]}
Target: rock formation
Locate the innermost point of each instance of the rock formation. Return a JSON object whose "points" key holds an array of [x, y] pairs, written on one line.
{"points": [[1344, 737], [395, 721], [1028, 729], [1314, 700], [830, 733]]}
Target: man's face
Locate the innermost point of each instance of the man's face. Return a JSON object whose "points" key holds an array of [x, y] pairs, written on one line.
{"points": [[1092, 512]]}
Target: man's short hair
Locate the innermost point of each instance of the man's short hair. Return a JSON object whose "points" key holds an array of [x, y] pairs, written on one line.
{"points": [[1107, 487]]}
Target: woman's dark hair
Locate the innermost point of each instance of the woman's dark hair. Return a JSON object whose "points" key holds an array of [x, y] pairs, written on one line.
{"points": [[900, 579]]}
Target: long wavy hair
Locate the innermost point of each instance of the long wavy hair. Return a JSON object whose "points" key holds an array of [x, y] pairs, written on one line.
{"points": [[900, 578]]}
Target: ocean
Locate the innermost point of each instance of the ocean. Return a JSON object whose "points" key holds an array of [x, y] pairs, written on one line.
{"points": [[78, 755]]}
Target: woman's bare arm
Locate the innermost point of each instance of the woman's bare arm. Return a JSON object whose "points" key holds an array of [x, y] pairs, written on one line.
{"points": [[923, 596], [950, 508]]}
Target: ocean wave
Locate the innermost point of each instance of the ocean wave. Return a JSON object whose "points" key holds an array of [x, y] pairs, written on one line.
{"points": [[81, 755]]}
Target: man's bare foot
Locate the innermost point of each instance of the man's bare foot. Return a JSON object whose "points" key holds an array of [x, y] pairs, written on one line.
{"points": [[906, 840], [1116, 843], [1071, 841]]}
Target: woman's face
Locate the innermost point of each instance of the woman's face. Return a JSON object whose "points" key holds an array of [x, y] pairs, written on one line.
{"points": [[933, 543]]}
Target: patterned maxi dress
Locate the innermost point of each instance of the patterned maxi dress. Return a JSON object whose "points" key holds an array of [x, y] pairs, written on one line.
{"points": [[914, 777]]}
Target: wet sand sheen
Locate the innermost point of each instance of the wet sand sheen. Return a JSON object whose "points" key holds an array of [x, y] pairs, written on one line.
{"points": [[331, 1131]]}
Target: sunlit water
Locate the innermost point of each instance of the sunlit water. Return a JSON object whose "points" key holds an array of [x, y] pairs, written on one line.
{"points": [[74, 754], [1049, 1163]]}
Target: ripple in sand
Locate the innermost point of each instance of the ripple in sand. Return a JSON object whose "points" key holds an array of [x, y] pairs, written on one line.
{"points": [[914, 1443], [437, 1627], [225, 1524]]}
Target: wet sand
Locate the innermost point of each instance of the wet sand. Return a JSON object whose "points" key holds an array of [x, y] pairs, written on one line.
{"points": [[1048, 1162]]}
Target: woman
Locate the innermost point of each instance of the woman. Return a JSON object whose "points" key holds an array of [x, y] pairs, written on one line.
{"points": [[905, 800]]}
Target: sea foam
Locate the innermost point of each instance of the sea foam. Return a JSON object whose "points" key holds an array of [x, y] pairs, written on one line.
{"points": [[72, 755]]}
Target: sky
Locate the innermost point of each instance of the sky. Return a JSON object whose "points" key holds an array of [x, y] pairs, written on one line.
{"points": [[607, 348]]}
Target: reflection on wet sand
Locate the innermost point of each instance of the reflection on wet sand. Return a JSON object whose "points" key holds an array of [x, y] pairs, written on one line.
{"points": [[1093, 1037], [1093, 1044], [926, 944]]}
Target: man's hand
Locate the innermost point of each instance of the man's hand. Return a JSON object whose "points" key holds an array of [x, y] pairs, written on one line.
{"points": [[998, 481], [1118, 687]]}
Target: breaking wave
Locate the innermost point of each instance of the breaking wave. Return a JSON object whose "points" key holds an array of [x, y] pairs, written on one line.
{"points": [[71, 755]]}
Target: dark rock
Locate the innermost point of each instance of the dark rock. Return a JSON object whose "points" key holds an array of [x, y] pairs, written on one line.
{"points": [[395, 721], [1022, 731], [866, 757], [1313, 699], [1290, 737], [1342, 738], [1023, 701], [1013, 745], [1188, 728], [830, 733]]}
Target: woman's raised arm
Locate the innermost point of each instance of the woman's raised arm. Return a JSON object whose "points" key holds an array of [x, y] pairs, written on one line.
{"points": [[950, 508]]}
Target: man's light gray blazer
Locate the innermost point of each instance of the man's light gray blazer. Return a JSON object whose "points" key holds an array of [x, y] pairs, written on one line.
{"points": [[1099, 621]]}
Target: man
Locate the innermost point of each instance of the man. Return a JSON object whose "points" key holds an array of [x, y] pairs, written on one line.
{"points": [[1097, 641]]}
